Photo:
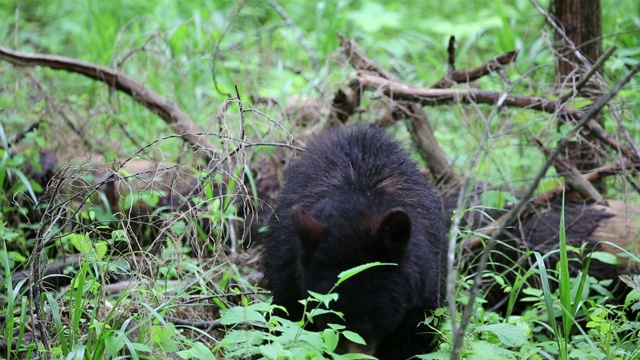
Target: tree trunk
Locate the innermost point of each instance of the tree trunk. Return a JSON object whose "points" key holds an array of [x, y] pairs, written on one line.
{"points": [[580, 21]]}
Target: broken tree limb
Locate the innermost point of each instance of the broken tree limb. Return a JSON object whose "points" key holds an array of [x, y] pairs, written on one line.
{"points": [[359, 60], [513, 214], [573, 176], [431, 97], [451, 51], [426, 96], [146, 97], [426, 143], [544, 198], [465, 76], [585, 78]]}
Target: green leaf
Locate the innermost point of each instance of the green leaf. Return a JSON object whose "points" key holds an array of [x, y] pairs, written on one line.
{"points": [[345, 275], [271, 351], [633, 297], [482, 350], [330, 338], [240, 314], [354, 337], [162, 336], [118, 235], [509, 335], [436, 355], [101, 248], [324, 298], [317, 312], [178, 227], [197, 351], [605, 257], [113, 344], [81, 242]]}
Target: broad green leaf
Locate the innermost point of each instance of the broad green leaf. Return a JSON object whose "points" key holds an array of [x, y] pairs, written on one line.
{"points": [[354, 337], [330, 338], [605, 257], [113, 344], [509, 335], [240, 314], [162, 336]]}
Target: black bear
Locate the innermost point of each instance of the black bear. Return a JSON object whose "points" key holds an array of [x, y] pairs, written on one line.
{"points": [[355, 197]]}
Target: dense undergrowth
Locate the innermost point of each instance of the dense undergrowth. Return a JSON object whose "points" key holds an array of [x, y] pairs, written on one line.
{"points": [[197, 298]]}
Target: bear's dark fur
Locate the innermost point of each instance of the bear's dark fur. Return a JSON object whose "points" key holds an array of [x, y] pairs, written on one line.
{"points": [[352, 198]]}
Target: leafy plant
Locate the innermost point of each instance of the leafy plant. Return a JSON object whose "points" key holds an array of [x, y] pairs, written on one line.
{"points": [[277, 338]]}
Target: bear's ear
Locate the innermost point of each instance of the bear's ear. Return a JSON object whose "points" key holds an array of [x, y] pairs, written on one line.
{"points": [[393, 234], [309, 229]]}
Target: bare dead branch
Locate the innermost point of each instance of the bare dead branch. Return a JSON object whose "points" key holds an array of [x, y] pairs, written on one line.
{"points": [[431, 97], [359, 60], [422, 135], [572, 47], [148, 98], [465, 76], [515, 212], [585, 78], [544, 198], [426, 96], [573, 176], [599, 132]]}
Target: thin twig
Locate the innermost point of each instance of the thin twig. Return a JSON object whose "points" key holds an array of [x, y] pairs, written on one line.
{"points": [[585, 78], [567, 41], [55, 108], [298, 34], [216, 51], [513, 214], [572, 176], [148, 98], [22, 134]]}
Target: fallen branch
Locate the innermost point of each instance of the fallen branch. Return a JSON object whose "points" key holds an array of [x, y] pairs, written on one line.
{"points": [[422, 135], [573, 177], [146, 97], [359, 60], [513, 214], [426, 96], [431, 97], [586, 77], [544, 198], [465, 76]]}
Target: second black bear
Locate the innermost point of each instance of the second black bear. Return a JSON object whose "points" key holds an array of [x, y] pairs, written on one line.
{"points": [[352, 198]]}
